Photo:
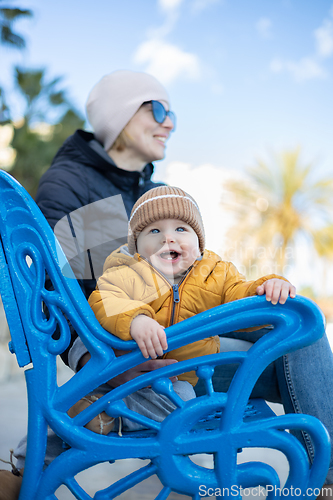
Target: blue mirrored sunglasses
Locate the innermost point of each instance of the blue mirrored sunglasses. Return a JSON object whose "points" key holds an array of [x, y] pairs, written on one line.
{"points": [[160, 113]]}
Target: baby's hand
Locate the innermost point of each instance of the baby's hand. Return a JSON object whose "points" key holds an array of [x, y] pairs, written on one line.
{"points": [[277, 290], [149, 335]]}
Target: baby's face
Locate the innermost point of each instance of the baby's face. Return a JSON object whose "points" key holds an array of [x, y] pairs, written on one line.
{"points": [[171, 245]]}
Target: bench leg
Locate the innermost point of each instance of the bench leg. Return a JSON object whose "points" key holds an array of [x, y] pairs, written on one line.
{"points": [[36, 444]]}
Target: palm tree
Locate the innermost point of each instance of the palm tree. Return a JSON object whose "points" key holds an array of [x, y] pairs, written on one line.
{"points": [[49, 118], [279, 203], [8, 16]]}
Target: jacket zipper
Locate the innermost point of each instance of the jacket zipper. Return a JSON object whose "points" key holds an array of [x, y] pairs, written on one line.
{"points": [[175, 288], [176, 296], [176, 299]]}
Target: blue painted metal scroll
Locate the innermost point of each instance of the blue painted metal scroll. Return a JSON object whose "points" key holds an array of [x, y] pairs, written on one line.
{"points": [[216, 423]]}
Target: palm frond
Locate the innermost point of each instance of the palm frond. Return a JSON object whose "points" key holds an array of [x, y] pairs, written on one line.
{"points": [[11, 14], [279, 200]]}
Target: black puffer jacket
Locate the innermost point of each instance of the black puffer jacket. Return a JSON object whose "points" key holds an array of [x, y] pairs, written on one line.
{"points": [[87, 201], [81, 174]]}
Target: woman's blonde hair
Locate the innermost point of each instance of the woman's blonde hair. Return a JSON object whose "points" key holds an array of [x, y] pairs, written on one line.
{"points": [[120, 142]]}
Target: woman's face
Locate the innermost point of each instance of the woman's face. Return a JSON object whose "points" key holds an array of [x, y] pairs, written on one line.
{"points": [[145, 138]]}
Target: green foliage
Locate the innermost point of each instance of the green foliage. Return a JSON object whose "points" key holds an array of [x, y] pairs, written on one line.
{"points": [[8, 16], [41, 97], [4, 109], [30, 83], [48, 120]]}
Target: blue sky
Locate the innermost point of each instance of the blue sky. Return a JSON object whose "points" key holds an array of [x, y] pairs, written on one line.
{"points": [[244, 77]]}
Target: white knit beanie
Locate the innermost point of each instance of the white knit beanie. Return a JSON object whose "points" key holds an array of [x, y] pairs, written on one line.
{"points": [[116, 98]]}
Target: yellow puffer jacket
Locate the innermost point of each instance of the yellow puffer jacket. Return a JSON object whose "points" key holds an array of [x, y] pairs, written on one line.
{"points": [[130, 286]]}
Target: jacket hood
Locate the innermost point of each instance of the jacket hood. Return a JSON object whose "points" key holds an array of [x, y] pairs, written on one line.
{"points": [[119, 257]]}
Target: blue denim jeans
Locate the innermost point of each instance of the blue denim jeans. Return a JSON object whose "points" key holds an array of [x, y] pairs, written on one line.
{"points": [[301, 381]]}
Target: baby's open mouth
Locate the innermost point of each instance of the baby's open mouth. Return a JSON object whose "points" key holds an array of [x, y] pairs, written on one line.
{"points": [[172, 255]]}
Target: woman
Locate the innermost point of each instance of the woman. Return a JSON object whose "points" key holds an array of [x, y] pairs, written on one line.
{"points": [[130, 115]]}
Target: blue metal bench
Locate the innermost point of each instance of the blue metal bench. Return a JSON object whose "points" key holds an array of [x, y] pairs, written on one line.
{"points": [[217, 423]]}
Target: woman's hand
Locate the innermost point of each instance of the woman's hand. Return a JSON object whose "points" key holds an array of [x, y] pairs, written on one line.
{"points": [[277, 290], [149, 335], [135, 371]]}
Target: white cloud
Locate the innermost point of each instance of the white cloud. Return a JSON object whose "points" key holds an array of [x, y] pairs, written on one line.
{"points": [[199, 5], [264, 26], [306, 68], [324, 39], [310, 67], [166, 61], [196, 6], [205, 184], [171, 10], [276, 65], [169, 5]]}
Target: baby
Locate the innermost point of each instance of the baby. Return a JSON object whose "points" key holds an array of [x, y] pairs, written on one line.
{"points": [[164, 275]]}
